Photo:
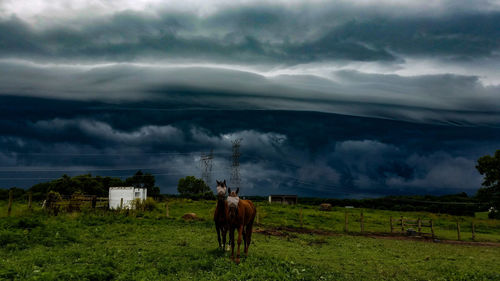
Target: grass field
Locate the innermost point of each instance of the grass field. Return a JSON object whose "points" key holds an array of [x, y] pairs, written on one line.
{"points": [[149, 246]]}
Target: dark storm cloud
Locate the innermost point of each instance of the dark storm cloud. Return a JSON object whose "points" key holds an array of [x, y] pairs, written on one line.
{"points": [[266, 34], [426, 98], [307, 153], [129, 36], [329, 57]]}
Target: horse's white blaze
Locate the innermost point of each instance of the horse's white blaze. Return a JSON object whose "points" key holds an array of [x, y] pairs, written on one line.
{"points": [[233, 201], [221, 190]]}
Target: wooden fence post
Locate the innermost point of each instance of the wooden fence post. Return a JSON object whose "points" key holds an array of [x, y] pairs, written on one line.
{"points": [[166, 210], [458, 230], [9, 208], [432, 229], [346, 222], [30, 197], [301, 221], [419, 226], [361, 221], [121, 203], [392, 228], [473, 232], [402, 225]]}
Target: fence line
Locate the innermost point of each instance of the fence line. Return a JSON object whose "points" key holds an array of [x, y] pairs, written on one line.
{"points": [[417, 227]]}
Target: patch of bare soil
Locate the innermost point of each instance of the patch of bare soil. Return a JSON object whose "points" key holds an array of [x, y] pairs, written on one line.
{"points": [[283, 231]]}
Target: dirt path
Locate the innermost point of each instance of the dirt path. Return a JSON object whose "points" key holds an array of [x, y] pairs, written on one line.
{"points": [[290, 232]]}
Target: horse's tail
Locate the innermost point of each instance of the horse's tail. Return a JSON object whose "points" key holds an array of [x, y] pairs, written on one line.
{"points": [[254, 211]]}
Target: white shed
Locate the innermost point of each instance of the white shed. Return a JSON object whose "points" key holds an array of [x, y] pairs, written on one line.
{"points": [[128, 193]]}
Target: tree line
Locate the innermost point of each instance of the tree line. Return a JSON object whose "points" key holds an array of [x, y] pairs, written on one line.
{"points": [[85, 184], [188, 187], [486, 199]]}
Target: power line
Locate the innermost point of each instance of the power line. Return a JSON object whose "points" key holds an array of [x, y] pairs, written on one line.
{"points": [[109, 175], [78, 169], [112, 154]]}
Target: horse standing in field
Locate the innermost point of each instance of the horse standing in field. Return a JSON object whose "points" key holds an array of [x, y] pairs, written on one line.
{"points": [[241, 215], [221, 214]]}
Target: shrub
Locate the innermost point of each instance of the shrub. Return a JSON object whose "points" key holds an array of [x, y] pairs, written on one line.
{"points": [[493, 213], [50, 204], [191, 187], [147, 205]]}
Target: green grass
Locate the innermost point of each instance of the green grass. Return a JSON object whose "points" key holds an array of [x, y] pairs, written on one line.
{"points": [[149, 246], [487, 230], [374, 220], [377, 221]]}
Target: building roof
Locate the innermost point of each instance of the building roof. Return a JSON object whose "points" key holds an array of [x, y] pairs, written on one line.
{"points": [[125, 187]]}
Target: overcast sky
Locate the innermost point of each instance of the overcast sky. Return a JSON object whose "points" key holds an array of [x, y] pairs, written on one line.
{"points": [[332, 98]]}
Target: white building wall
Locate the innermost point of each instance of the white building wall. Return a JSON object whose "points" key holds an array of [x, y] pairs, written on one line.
{"points": [[128, 193]]}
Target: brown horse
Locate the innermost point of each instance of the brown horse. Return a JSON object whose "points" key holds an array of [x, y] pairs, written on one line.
{"points": [[241, 216], [221, 213]]}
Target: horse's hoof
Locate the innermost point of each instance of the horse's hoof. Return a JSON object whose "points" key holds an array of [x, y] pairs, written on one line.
{"points": [[237, 261]]}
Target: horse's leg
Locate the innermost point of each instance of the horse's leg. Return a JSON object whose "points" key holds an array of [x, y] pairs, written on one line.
{"points": [[224, 231], [230, 237], [231, 240], [244, 239], [218, 233], [249, 237], [240, 232]]}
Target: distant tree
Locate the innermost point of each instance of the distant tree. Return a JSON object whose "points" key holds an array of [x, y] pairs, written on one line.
{"points": [[17, 193], [4, 194], [66, 185], [40, 190], [155, 191], [489, 167], [86, 184], [144, 180], [192, 187]]}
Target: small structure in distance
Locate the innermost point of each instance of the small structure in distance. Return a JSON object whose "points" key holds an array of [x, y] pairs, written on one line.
{"points": [[283, 199], [123, 196]]}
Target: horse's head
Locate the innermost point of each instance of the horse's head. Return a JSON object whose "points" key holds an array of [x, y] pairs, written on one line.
{"points": [[221, 189], [232, 202]]}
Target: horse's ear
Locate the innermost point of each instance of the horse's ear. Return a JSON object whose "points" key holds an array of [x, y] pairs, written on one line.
{"points": [[229, 190], [217, 182], [237, 190]]}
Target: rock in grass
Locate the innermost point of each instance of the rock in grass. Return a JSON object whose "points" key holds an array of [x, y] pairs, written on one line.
{"points": [[325, 207], [190, 216]]}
